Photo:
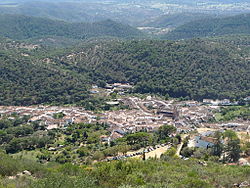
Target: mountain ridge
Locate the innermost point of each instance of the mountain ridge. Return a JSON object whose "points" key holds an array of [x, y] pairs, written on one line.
{"points": [[239, 24], [21, 27]]}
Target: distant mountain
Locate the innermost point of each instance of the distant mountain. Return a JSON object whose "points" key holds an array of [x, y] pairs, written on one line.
{"points": [[24, 27], [175, 20], [81, 11], [68, 12], [239, 24], [132, 12]]}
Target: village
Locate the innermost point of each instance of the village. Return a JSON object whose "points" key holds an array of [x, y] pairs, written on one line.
{"points": [[143, 114], [146, 114]]}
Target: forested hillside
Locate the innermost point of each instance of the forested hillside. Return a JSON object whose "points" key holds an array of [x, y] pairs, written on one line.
{"points": [[239, 24], [27, 80], [195, 69], [23, 27]]}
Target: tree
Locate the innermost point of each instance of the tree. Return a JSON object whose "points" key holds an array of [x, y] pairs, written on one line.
{"points": [[141, 138], [98, 155], [202, 153], [93, 138], [58, 115], [187, 152], [165, 131], [179, 138], [229, 134], [169, 154], [4, 123], [101, 83], [233, 150], [247, 148], [232, 147], [85, 135], [245, 144], [217, 148], [4, 137], [14, 146], [83, 151], [123, 148]]}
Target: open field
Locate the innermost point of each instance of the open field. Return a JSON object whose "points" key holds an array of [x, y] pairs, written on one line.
{"points": [[157, 153]]}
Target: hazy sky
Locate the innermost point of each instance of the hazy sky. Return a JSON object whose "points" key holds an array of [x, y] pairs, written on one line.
{"points": [[177, 1]]}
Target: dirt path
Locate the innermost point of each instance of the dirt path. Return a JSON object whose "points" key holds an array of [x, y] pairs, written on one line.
{"points": [[180, 146]]}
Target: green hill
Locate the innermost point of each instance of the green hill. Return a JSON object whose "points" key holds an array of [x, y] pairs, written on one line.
{"points": [[213, 68], [26, 79], [239, 24], [24, 27], [196, 69]]}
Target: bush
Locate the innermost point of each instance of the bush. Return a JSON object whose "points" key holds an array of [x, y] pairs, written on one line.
{"points": [[187, 152], [169, 154]]}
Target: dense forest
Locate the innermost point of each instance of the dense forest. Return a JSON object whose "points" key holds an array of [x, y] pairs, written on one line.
{"points": [[23, 27], [195, 69], [239, 24], [25, 80]]}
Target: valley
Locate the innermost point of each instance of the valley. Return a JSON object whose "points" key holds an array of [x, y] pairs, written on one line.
{"points": [[124, 94]]}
